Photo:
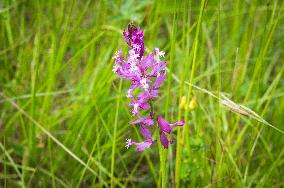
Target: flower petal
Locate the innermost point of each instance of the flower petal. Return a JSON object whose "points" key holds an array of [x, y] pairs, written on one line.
{"points": [[158, 68], [147, 121], [160, 79], [164, 125], [144, 145], [154, 93], [126, 37], [179, 123], [144, 105], [147, 61], [129, 142], [164, 140], [145, 132], [140, 146], [135, 122]]}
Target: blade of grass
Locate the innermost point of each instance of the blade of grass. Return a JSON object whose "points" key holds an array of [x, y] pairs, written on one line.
{"points": [[180, 139], [52, 137], [114, 135]]}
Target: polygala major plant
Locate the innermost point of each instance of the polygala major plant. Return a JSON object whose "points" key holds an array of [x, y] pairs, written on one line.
{"points": [[146, 74]]}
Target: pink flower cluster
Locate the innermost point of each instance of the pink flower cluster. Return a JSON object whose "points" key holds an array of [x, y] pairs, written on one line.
{"points": [[146, 74]]}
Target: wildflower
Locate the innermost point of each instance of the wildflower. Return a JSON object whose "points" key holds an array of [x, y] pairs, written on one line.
{"points": [[146, 73], [166, 128]]}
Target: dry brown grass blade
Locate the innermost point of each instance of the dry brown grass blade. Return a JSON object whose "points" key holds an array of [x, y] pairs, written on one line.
{"points": [[231, 105]]}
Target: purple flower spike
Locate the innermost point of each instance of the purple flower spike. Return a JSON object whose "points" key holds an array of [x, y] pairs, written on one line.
{"points": [[147, 74]]}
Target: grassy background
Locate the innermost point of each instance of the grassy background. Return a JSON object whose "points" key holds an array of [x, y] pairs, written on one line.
{"points": [[63, 122]]}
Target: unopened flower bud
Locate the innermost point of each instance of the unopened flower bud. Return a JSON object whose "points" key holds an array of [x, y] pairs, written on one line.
{"points": [[193, 104], [182, 103]]}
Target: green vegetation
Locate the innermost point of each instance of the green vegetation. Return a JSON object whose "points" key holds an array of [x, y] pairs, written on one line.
{"points": [[63, 122]]}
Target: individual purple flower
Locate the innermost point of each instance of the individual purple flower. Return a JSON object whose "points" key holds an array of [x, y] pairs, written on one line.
{"points": [[140, 146], [137, 105], [167, 127]]}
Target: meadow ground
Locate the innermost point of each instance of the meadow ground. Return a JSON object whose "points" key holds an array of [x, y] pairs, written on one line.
{"points": [[63, 119]]}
